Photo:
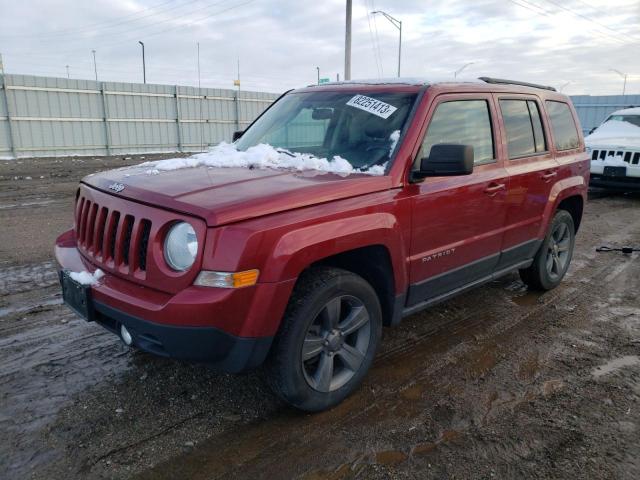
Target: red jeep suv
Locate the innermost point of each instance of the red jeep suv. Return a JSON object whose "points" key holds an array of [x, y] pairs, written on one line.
{"points": [[265, 252]]}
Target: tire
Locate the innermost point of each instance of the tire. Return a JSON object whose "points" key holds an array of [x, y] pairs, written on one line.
{"points": [[334, 319], [552, 260]]}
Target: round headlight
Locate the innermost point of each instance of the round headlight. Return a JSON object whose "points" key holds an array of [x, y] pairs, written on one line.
{"points": [[181, 246]]}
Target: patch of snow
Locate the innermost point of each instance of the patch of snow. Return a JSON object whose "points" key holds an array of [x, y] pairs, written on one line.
{"points": [[394, 137], [615, 132], [86, 278], [226, 155]]}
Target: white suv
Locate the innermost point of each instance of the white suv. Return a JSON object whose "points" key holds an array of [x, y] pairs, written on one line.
{"points": [[615, 151]]}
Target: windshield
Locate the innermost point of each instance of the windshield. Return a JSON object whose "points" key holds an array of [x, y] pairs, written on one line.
{"points": [[361, 128], [632, 119]]}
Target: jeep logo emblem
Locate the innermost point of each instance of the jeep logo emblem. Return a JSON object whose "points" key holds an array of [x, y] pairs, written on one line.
{"points": [[116, 187]]}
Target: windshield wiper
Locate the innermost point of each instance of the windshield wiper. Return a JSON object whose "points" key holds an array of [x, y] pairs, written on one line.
{"points": [[287, 152]]}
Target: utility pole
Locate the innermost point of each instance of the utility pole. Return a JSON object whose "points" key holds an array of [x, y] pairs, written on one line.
{"points": [[318, 69], [144, 67], [347, 43], [67, 67], [95, 68], [398, 24]]}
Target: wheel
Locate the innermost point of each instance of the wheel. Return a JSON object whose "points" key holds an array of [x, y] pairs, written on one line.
{"points": [[327, 340], [554, 255]]}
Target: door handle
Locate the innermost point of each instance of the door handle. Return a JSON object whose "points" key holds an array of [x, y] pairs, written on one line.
{"points": [[549, 175], [494, 188]]}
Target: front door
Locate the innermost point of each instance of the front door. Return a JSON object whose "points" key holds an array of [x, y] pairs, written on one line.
{"points": [[457, 222]]}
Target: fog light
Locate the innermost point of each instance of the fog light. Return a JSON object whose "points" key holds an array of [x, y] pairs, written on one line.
{"points": [[125, 335]]}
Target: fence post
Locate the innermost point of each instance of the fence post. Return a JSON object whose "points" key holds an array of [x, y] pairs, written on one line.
{"points": [[12, 138], [178, 121], [107, 129]]}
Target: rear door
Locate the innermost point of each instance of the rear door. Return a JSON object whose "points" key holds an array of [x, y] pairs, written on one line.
{"points": [[532, 171], [457, 222]]}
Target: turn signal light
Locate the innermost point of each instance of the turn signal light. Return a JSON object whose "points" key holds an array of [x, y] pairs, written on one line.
{"points": [[246, 278]]}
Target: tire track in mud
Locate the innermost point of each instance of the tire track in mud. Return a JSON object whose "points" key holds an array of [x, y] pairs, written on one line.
{"points": [[254, 451]]}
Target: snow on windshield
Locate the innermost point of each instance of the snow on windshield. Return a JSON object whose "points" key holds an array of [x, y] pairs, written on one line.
{"points": [[261, 156]]}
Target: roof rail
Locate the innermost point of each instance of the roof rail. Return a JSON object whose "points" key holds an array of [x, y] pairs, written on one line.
{"points": [[515, 82]]}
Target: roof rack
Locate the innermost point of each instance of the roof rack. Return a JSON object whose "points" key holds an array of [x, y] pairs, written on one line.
{"points": [[515, 82]]}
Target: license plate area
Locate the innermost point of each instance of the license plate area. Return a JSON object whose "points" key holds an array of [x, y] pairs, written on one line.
{"points": [[615, 171], [77, 296]]}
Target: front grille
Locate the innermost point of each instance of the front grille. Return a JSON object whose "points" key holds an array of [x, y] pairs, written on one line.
{"points": [[112, 238], [632, 158]]}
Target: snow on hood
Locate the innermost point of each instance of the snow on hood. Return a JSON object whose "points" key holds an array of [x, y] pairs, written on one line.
{"points": [[226, 155], [615, 132]]}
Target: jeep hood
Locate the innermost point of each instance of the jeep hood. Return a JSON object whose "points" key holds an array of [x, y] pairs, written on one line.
{"points": [[615, 134], [226, 195]]}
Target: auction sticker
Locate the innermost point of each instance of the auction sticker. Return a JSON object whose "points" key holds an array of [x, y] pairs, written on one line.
{"points": [[372, 105]]}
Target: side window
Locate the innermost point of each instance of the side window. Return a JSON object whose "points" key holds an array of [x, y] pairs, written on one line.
{"points": [[465, 122], [523, 125], [565, 132], [536, 121]]}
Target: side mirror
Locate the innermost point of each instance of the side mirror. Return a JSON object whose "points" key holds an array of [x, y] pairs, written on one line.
{"points": [[237, 135], [446, 160]]}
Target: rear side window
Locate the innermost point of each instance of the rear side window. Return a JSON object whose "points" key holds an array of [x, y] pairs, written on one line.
{"points": [[464, 122], [523, 125], [565, 132]]}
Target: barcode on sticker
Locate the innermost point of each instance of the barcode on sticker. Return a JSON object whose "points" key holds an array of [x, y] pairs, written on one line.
{"points": [[372, 105]]}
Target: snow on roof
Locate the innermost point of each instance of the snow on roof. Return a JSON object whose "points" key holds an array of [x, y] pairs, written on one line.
{"points": [[615, 132], [627, 111]]}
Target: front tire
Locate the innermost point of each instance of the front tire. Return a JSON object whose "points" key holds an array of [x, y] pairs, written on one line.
{"points": [[554, 255], [327, 341]]}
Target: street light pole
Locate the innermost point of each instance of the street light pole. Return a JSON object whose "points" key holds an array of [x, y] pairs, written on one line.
{"points": [[144, 67], [624, 76], [95, 68], [455, 74], [347, 43], [398, 24], [318, 69], [67, 67]]}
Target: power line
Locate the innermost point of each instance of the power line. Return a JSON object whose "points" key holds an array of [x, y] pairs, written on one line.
{"points": [[375, 26], [584, 17], [74, 31], [541, 11], [373, 45], [164, 30]]}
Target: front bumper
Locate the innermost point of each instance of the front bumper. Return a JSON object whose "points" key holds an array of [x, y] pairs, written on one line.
{"points": [[229, 329], [198, 344], [615, 183]]}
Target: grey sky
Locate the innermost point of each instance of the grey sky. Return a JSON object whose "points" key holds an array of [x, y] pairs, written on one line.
{"points": [[280, 43]]}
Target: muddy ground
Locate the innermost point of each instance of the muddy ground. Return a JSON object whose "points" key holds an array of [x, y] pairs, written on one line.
{"points": [[498, 383]]}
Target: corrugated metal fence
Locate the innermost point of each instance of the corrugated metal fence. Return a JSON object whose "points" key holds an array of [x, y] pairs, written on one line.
{"points": [[592, 110], [43, 116]]}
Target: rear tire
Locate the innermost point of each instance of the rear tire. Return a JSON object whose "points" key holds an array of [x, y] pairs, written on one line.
{"points": [[327, 340], [554, 255]]}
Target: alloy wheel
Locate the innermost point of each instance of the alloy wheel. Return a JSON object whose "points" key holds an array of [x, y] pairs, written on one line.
{"points": [[558, 251], [336, 343]]}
